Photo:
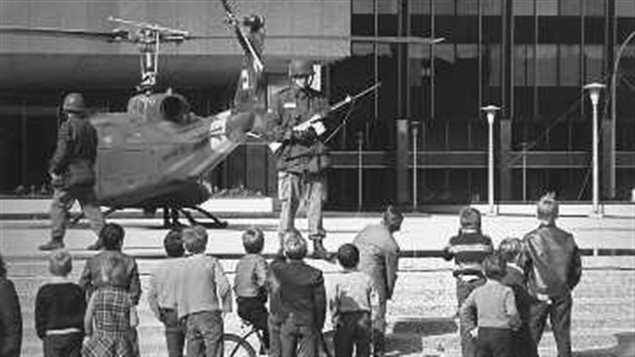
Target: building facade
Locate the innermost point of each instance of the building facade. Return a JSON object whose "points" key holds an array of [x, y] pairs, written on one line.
{"points": [[529, 57], [422, 139]]}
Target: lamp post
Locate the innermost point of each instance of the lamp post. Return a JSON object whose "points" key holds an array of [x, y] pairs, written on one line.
{"points": [[415, 184], [360, 170], [594, 94], [490, 112], [524, 147]]}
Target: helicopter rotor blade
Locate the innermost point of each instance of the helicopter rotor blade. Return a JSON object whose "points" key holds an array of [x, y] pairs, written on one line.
{"points": [[115, 35], [381, 39]]}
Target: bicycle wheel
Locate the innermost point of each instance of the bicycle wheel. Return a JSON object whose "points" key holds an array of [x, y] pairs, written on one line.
{"points": [[236, 346]]}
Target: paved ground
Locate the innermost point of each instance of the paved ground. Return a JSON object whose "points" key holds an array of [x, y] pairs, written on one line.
{"points": [[420, 317]]}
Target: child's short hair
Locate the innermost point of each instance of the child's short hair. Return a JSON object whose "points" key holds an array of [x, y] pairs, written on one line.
{"points": [[173, 243], [195, 239], [547, 208], [253, 240], [294, 245], [60, 262], [494, 266], [510, 248], [348, 255], [393, 218], [111, 236], [470, 217]]}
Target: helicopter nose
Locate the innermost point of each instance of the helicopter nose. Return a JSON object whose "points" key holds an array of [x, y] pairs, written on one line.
{"points": [[239, 124]]}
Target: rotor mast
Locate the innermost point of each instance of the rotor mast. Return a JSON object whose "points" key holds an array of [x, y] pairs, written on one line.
{"points": [[148, 37]]}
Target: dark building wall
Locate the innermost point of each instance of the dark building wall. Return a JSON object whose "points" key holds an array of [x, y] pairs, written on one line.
{"points": [[531, 57]]}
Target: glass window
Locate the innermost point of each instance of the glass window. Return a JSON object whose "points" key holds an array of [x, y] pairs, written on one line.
{"points": [[495, 65], [571, 7], [491, 7], [363, 7], [625, 8], [547, 61], [520, 65], [363, 25], [419, 6], [459, 29], [524, 7], [387, 6], [531, 65], [523, 103], [569, 65], [593, 63], [388, 25], [594, 29], [594, 7], [547, 7], [467, 7], [624, 28], [361, 48], [443, 7]]}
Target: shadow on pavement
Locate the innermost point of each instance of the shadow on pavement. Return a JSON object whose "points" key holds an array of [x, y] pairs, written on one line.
{"points": [[625, 348], [406, 336]]}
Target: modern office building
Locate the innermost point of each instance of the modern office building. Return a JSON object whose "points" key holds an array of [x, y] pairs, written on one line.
{"points": [[422, 139]]}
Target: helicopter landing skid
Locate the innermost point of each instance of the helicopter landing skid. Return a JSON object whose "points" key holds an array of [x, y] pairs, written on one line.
{"points": [[171, 217]]}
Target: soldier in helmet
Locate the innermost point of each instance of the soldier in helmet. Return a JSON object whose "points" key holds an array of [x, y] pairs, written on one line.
{"points": [[72, 173], [302, 159]]}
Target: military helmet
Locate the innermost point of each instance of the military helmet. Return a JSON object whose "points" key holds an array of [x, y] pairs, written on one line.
{"points": [[74, 103], [299, 68]]}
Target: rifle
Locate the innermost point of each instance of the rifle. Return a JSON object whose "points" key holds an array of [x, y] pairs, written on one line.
{"points": [[244, 40], [313, 121]]}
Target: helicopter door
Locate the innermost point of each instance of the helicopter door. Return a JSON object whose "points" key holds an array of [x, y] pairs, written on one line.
{"points": [[125, 163]]}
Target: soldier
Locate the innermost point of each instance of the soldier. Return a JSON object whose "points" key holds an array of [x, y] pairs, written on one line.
{"points": [[302, 159], [72, 173]]}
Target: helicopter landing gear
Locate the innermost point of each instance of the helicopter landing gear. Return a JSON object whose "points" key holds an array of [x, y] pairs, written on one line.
{"points": [[171, 217]]}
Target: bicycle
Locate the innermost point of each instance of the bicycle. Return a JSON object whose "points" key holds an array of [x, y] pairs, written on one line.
{"points": [[235, 345], [239, 346]]}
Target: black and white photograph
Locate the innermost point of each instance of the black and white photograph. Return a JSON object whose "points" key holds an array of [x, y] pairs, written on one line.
{"points": [[317, 178]]}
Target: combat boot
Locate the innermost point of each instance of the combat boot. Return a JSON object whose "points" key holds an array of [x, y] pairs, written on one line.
{"points": [[319, 252], [54, 243]]}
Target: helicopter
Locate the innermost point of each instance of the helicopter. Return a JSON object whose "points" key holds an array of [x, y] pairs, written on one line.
{"points": [[153, 155]]}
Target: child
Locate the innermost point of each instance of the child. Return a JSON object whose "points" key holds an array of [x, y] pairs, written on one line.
{"points": [[110, 315], [512, 251], [468, 249], [93, 276], [353, 299], [489, 312], [111, 237], [200, 285], [162, 293], [59, 310], [303, 300], [249, 284]]}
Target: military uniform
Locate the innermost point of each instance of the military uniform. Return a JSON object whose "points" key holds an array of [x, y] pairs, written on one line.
{"points": [[302, 159], [72, 170]]}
